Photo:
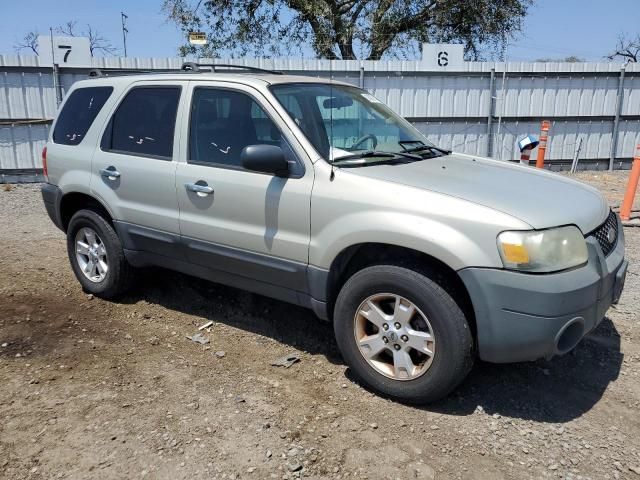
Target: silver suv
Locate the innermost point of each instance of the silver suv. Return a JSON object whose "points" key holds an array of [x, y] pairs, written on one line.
{"points": [[315, 193]]}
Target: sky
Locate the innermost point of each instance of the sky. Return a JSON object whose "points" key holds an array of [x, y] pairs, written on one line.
{"points": [[553, 29]]}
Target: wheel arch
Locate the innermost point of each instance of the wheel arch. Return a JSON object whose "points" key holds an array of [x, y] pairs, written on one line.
{"points": [[356, 257], [71, 202]]}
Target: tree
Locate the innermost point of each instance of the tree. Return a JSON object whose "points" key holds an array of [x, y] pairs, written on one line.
{"points": [[28, 42], [628, 49], [97, 43], [569, 59], [346, 29]]}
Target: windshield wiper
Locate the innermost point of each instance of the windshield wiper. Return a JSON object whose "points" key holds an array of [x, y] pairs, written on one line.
{"points": [[431, 148], [393, 156]]}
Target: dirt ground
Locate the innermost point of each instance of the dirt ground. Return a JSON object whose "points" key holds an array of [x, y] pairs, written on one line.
{"points": [[97, 389]]}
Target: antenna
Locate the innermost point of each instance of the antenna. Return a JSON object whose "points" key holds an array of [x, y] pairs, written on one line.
{"points": [[124, 18]]}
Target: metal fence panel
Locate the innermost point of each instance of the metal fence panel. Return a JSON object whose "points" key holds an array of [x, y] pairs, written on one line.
{"points": [[451, 108], [465, 137], [21, 146]]}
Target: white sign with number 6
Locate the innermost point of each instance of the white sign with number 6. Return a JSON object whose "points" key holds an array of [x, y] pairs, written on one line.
{"points": [[442, 56]]}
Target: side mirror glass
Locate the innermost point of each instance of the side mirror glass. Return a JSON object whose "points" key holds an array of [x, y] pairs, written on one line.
{"points": [[265, 159]]}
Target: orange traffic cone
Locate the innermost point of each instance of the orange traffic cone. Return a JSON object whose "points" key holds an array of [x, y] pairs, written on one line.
{"points": [[632, 186], [542, 147]]}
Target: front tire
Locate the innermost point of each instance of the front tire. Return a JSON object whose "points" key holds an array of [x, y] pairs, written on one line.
{"points": [[402, 334], [96, 255]]}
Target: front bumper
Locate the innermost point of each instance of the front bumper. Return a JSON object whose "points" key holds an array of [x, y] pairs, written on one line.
{"points": [[523, 316]]}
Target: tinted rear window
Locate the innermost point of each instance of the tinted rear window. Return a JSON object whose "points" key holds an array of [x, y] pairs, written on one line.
{"points": [[144, 123], [78, 113]]}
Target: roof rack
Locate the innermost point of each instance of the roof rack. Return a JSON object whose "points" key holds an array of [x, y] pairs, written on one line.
{"points": [[98, 72], [213, 67], [187, 67]]}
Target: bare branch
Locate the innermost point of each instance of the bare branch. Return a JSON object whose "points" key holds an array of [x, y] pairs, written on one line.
{"points": [[97, 43], [68, 29], [28, 42], [628, 49]]}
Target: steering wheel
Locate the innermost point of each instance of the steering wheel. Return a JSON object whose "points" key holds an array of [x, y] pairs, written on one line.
{"points": [[364, 138]]}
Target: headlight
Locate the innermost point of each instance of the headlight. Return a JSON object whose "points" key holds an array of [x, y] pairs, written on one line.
{"points": [[544, 250]]}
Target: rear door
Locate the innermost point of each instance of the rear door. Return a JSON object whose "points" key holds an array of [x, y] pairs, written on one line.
{"points": [[249, 224], [73, 140], [133, 170]]}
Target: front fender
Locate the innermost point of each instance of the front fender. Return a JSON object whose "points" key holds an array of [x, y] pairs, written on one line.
{"points": [[429, 236]]}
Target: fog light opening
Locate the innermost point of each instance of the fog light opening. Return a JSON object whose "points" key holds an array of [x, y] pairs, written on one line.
{"points": [[570, 335]]}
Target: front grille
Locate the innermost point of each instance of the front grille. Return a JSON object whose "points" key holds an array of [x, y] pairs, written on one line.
{"points": [[607, 240]]}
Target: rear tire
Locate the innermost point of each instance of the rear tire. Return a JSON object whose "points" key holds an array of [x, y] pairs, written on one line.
{"points": [[414, 316], [96, 255]]}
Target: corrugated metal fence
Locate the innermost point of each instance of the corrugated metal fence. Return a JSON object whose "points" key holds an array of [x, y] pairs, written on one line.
{"points": [[481, 108]]}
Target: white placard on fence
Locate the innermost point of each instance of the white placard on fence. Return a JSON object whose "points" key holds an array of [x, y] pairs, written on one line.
{"points": [[66, 51], [442, 56]]}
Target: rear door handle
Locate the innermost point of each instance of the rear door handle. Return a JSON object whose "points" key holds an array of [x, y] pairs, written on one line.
{"points": [[202, 189], [110, 173]]}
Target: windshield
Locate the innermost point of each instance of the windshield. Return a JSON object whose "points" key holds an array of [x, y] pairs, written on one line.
{"points": [[343, 121]]}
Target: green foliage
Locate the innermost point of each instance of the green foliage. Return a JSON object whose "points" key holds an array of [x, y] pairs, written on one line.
{"points": [[346, 29]]}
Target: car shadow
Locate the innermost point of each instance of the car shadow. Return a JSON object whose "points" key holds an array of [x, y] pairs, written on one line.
{"points": [[554, 391], [550, 391], [288, 324]]}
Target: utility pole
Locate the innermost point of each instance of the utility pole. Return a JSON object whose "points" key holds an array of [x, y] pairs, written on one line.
{"points": [[56, 79], [124, 17]]}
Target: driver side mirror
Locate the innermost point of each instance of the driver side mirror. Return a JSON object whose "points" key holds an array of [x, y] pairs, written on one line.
{"points": [[265, 159]]}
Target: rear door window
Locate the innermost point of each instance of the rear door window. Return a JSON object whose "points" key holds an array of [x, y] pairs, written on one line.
{"points": [[144, 123], [78, 113]]}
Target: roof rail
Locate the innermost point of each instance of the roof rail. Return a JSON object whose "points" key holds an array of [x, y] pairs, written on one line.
{"points": [[213, 67], [187, 67], [98, 72]]}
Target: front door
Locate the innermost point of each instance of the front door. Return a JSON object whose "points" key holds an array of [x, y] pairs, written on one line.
{"points": [[247, 224]]}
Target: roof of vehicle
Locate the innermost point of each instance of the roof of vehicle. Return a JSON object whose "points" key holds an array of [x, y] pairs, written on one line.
{"points": [[246, 78]]}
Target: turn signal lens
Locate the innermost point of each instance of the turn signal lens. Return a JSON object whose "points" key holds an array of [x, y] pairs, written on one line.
{"points": [[515, 253]]}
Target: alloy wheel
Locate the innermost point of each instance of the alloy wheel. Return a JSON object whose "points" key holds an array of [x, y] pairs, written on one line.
{"points": [[394, 336], [91, 255]]}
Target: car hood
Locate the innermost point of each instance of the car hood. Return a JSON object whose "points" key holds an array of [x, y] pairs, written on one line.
{"points": [[540, 198]]}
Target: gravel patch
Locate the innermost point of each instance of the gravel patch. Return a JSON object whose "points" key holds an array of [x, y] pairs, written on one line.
{"points": [[96, 389]]}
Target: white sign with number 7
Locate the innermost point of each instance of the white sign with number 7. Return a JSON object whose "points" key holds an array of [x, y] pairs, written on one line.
{"points": [[66, 51]]}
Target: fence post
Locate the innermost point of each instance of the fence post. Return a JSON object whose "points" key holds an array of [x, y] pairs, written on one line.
{"points": [[56, 84], [492, 80], [630, 194], [616, 120], [576, 157], [542, 146]]}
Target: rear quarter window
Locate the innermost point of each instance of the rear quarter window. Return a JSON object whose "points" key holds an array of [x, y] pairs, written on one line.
{"points": [[78, 113]]}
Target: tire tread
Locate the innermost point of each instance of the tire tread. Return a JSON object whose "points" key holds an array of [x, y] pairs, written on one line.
{"points": [[121, 274], [459, 359]]}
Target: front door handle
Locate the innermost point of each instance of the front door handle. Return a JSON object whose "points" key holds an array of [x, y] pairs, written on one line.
{"points": [[110, 173], [202, 189]]}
